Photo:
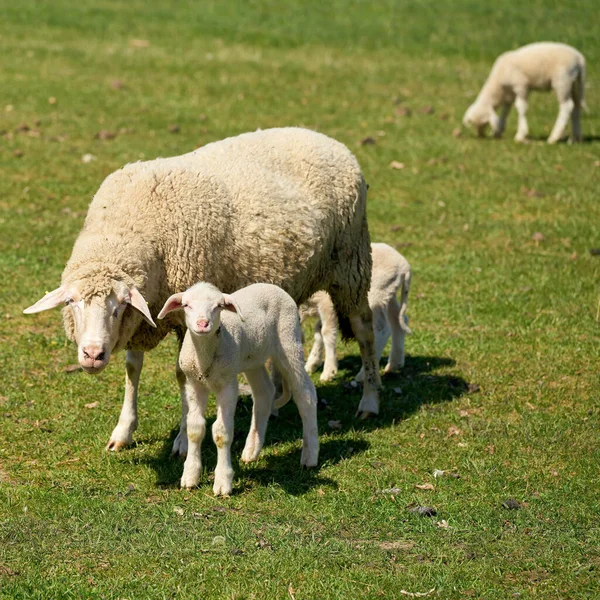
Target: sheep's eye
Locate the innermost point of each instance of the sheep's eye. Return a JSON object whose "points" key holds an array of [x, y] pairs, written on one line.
{"points": [[184, 305], [68, 301], [115, 313]]}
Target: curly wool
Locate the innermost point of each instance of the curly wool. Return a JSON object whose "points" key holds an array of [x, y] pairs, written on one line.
{"points": [[284, 206]]}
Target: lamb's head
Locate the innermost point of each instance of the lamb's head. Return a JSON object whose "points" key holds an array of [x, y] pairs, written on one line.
{"points": [[202, 305], [95, 315], [480, 116]]}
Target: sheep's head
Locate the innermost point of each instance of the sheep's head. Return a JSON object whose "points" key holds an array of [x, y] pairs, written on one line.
{"points": [[96, 316], [202, 305], [480, 117]]}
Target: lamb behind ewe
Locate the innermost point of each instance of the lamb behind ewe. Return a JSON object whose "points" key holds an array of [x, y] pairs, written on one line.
{"points": [[391, 272], [285, 206], [218, 346], [540, 66]]}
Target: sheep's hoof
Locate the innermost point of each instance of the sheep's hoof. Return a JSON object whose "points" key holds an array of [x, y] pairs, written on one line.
{"points": [[116, 445], [364, 415], [328, 375]]}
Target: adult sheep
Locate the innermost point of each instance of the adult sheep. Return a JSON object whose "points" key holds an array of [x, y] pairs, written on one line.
{"points": [[285, 206]]}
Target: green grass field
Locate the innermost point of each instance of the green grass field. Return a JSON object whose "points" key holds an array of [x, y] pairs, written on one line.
{"points": [[501, 381]]}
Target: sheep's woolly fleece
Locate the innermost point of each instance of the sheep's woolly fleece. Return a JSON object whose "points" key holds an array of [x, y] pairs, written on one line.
{"points": [[283, 206]]}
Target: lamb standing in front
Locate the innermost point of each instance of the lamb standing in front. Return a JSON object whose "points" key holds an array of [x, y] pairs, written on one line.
{"points": [[218, 346], [539, 66], [391, 272], [285, 206]]}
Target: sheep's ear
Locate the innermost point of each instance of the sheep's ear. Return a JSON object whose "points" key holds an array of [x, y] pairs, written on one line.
{"points": [[137, 301], [173, 303], [230, 304], [50, 300]]}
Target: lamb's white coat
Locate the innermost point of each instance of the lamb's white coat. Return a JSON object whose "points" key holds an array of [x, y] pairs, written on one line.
{"points": [[391, 272], [218, 345], [539, 66]]}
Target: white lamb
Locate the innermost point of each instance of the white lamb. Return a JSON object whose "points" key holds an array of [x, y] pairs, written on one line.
{"points": [[219, 345], [391, 272], [540, 66]]}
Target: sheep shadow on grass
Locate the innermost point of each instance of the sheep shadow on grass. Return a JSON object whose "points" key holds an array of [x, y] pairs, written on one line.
{"points": [[403, 394]]}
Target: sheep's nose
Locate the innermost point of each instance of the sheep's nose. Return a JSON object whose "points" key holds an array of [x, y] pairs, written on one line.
{"points": [[94, 353], [202, 323]]}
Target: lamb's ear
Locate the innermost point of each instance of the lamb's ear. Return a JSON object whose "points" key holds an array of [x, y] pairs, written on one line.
{"points": [[231, 305], [50, 300], [173, 303], [137, 301]]}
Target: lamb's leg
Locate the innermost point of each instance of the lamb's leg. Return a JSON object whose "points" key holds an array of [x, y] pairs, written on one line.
{"points": [[289, 362], [576, 122], [222, 432], [396, 358], [263, 392], [381, 331], [564, 113], [122, 434], [522, 129], [196, 398], [180, 445], [504, 110], [315, 358]]}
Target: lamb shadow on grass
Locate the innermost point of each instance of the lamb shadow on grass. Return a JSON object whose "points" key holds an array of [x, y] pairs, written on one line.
{"points": [[403, 394]]}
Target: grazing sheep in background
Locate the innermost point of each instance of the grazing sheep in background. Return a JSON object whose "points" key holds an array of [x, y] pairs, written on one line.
{"points": [[218, 346], [540, 66], [285, 206], [391, 272]]}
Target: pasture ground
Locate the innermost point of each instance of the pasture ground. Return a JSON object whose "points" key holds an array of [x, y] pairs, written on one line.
{"points": [[501, 381]]}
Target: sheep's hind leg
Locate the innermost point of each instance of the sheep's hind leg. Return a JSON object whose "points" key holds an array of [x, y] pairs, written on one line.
{"points": [[396, 358], [362, 327], [263, 392], [122, 434]]}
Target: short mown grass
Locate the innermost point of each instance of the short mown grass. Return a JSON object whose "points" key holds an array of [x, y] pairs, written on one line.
{"points": [[501, 380]]}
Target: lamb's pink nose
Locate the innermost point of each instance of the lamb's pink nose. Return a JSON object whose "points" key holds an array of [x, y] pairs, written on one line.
{"points": [[202, 323]]}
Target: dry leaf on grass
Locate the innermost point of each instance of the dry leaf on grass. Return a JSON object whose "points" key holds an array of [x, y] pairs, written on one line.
{"points": [[105, 134], [368, 141], [174, 128], [397, 165], [456, 132], [92, 405], [417, 594], [139, 43], [537, 237], [423, 511], [425, 486]]}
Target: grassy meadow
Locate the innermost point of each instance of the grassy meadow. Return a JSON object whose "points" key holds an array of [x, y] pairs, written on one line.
{"points": [[501, 380]]}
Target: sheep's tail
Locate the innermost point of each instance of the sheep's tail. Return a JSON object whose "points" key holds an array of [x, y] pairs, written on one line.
{"points": [[285, 395], [405, 288]]}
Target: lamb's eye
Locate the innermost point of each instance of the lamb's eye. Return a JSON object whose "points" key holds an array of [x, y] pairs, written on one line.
{"points": [[68, 301], [115, 313]]}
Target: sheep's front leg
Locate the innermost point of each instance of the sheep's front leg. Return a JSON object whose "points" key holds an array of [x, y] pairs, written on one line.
{"points": [[222, 432], [381, 331], [180, 446], [263, 392], [522, 129], [196, 397], [122, 434], [564, 114]]}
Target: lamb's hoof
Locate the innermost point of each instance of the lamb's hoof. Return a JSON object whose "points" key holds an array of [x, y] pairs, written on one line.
{"points": [[310, 368], [250, 453], [222, 488], [360, 377], [189, 480], [116, 445], [364, 415], [328, 375], [523, 140], [180, 445]]}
